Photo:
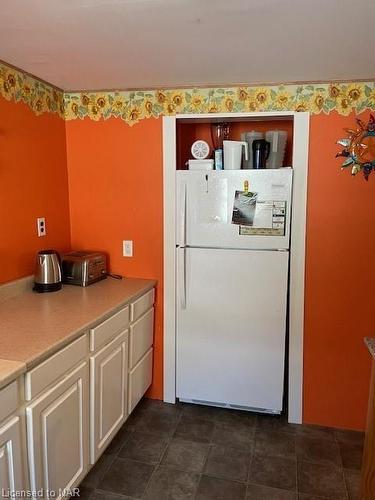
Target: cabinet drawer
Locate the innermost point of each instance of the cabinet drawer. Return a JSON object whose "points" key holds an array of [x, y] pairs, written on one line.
{"points": [[141, 337], [55, 367], [104, 332], [140, 379], [142, 305], [9, 400]]}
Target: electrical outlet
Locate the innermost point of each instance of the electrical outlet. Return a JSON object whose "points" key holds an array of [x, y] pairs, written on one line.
{"points": [[127, 248], [41, 226]]}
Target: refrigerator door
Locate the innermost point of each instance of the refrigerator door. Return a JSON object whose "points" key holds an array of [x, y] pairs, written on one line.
{"points": [[214, 211], [231, 320]]}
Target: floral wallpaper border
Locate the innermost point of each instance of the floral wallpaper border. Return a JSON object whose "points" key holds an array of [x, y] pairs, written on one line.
{"points": [[133, 106], [40, 96]]}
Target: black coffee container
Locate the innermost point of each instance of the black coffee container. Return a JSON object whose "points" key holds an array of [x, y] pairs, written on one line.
{"points": [[261, 151]]}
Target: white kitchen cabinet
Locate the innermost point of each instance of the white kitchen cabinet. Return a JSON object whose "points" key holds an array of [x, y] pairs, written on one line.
{"points": [[109, 387], [57, 434], [11, 458], [75, 402]]}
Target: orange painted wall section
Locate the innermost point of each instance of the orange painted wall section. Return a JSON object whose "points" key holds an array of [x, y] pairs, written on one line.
{"points": [[33, 183], [340, 282], [116, 194]]}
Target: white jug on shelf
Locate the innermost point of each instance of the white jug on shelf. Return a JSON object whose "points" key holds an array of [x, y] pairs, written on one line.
{"points": [[233, 154]]}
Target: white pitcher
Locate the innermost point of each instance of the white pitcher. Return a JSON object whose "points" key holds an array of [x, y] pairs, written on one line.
{"points": [[233, 154]]}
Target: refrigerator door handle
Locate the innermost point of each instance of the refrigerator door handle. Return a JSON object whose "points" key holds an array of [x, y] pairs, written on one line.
{"points": [[182, 216], [181, 276]]}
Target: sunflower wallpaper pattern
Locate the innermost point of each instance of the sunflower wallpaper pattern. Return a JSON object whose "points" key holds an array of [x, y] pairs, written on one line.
{"points": [[133, 106], [40, 96]]}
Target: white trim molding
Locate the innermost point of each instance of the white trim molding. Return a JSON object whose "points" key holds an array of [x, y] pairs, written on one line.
{"points": [[169, 161], [297, 266]]}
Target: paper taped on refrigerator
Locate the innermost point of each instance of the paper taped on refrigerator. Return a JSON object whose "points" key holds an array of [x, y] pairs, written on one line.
{"points": [[222, 209]]}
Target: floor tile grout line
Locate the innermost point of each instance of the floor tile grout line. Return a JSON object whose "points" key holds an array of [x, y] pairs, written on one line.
{"points": [[165, 450], [197, 486], [149, 480], [210, 445], [345, 485], [250, 463], [255, 483], [224, 478]]}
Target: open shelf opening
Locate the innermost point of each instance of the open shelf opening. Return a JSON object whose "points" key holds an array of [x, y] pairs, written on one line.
{"points": [[190, 130]]}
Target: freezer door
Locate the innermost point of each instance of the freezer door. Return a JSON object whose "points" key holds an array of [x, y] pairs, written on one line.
{"points": [[231, 321], [213, 210]]}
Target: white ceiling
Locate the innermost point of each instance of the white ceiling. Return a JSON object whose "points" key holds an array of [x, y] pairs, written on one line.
{"points": [[122, 44]]}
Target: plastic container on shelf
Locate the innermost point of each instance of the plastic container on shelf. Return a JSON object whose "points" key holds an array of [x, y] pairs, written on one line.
{"points": [[277, 139], [249, 137], [201, 164]]}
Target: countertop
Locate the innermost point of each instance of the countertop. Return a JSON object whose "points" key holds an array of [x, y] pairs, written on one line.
{"points": [[10, 370], [34, 326], [370, 342]]}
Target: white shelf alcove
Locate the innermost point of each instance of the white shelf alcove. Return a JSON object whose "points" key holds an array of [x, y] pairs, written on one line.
{"points": [[297, 248]]}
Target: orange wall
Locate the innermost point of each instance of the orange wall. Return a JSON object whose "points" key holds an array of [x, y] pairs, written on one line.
{"points": [[340, 282], [115, 181], [33, 183]]}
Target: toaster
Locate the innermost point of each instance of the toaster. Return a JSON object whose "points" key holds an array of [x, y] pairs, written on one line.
{"points": [[83, 268]]}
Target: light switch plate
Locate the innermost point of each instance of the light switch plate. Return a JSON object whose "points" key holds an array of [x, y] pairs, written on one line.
{"points": [[127, 248]]}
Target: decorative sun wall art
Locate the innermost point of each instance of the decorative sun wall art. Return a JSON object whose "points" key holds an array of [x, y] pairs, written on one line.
{"points": [[359, 148]]}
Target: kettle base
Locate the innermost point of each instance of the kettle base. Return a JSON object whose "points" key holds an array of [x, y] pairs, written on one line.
{"points": [[47, 287]]}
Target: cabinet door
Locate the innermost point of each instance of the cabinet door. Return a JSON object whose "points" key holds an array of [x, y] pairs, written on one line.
{"points": [[11, 464], [141, 337], [109, 378], [57, 432], [140, 379]]}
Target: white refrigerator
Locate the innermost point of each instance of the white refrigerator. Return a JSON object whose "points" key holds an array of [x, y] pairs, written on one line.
{"points": [[232, 258]]}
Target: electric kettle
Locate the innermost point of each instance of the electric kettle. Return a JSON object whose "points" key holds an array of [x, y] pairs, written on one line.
{"points": [[47, 276]]}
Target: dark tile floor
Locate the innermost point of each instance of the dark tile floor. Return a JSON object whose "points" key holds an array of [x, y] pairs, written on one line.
{"points": [[186, 452]]}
